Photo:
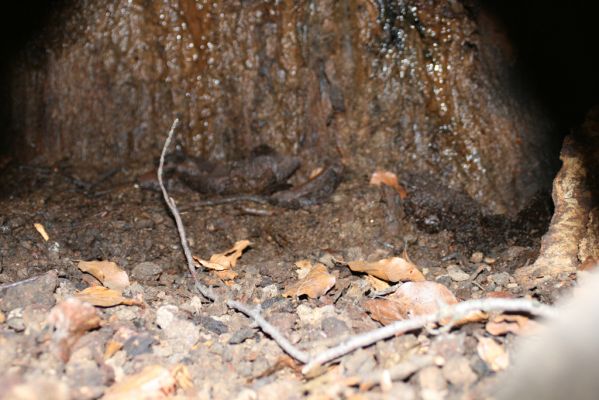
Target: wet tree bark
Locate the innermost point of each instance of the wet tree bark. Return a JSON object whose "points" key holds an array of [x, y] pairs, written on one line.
{"points": [[409, 86]]}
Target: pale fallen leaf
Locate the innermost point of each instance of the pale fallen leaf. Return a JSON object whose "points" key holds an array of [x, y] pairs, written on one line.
{"points": [[104, 297], [225, 260], [69, 320], [153, 382], [383, 310], [375, 283], [382, 177], [393, 269], [315, 172], [315, 284], [419, 298], [409, 300], [493, 354], [42, 231], [516, 324], [107, 272]]}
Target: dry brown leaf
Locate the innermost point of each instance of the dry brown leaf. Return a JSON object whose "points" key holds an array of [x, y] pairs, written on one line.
{"points": [[69, 320], [112, 346], [226, 275], [303, 268], [153, 382], [493, 354], [42, 231], [315, 284], [393, 269], [104, 297], [107, 272], [382, 177], [383, 310], [2, 317], [225, 260], [516, 324], [376, 284]]}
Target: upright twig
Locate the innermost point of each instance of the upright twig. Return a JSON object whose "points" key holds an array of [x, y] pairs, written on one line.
{"points": [[170, 202], [254, 314]]}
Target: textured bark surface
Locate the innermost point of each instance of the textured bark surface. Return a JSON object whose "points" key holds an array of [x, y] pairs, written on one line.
{"points": [[573, 236], [408, 86]]}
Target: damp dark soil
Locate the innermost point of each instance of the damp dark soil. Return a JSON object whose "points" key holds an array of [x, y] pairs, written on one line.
{"points": [[114, 219]]}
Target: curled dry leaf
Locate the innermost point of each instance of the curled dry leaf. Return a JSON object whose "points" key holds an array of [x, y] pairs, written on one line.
{"points": [[493, 354], [376, 284], [104, 297], [315, 284], [42, 231], [516, 324], [225, 260], [226, 275], [419, 298], [303, 268], [383, 310], [382, 177], [393, 269], [69, 320], [410, 299], [107, 272], [153, 382]]}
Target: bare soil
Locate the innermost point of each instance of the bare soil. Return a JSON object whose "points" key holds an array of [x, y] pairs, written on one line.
{"points": [[227, 357]]}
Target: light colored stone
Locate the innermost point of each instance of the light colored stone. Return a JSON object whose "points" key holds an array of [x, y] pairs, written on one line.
{"points": [[477, 257], [457, 274], [458, 372]]}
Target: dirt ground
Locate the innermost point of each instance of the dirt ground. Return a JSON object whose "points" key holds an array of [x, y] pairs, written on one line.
{"points": [[221, 353]]}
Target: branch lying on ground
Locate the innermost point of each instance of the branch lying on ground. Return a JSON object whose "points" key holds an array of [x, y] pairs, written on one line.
{"points": [[454, 312]]}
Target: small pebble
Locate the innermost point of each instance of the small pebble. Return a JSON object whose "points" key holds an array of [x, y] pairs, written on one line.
{"points": [[477, 257], [146, 270], [499, 279], [457, 274]]}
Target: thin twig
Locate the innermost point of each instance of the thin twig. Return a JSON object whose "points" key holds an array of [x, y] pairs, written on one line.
{"points": [[254, 314], [172, 206], [271, 331], [5, 286], [455, 311]]}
